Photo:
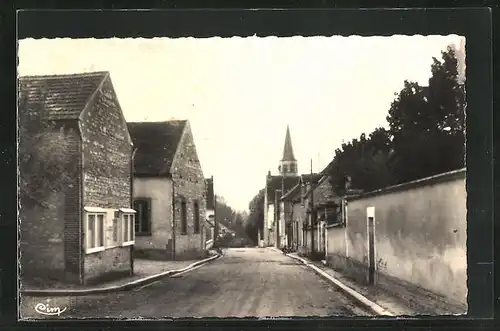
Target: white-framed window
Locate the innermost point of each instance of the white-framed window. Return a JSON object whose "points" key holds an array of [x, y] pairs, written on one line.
{"points": [[94, 229], [127, 221]]}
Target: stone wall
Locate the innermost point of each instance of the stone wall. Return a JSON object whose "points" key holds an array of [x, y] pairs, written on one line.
{"points": [[189, 186], [107, 153], [420, 235], [50, 234]]}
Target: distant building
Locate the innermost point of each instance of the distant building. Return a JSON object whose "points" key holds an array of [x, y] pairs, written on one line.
{"points": [[275, 187], [84, 233], [169, 191]]}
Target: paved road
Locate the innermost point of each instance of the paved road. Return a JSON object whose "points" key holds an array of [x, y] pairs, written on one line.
{"points": [[245, 282]]}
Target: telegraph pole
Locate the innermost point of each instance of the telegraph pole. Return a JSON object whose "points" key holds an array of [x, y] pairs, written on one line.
{"points": [[282, 194], [216, 223], [276, 219], [311, 207]]}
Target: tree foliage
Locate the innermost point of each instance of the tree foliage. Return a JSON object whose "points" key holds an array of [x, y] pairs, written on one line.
{"points": [[425, 136], [427, 124], [230, 218], [43, 157], [255, 219]]}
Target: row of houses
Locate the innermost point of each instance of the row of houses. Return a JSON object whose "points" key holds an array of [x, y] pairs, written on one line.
{"points": [[412, 234], [135, 189]]}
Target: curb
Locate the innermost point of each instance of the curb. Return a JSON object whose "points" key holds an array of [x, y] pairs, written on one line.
{"points": [[124, 287], [368, 304]]}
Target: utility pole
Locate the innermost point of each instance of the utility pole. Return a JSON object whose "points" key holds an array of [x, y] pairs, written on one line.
{"points": [[277, 216], [311, 209], [216, 223], [282, 194]]}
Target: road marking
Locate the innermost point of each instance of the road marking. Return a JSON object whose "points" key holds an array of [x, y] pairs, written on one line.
{"points": [[140, 288]]}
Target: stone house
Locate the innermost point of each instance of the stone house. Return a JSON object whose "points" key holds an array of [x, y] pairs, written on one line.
{"points": [[84, 233], [169, 191]]}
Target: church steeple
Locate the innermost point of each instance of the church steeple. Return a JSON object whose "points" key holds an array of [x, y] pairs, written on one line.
{"points": [[288, 149], [288, 164]]}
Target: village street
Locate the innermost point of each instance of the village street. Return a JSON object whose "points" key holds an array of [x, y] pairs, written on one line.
{"points": [[244, 282]]}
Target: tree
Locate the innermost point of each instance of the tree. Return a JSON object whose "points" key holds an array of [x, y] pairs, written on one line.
{"points": [[44, 158], [427, 124], [255, 220], [364, 161], [230, 218]]}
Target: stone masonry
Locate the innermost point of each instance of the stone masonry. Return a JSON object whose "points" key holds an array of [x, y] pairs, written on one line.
{"points": [[189, 184]]}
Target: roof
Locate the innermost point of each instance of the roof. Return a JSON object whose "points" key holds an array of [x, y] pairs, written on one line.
{"points": [[275, 183], [293, 193], [209, 182], [156, 144], [307, 178], [316, 179], [288, 149], [61, 96]]}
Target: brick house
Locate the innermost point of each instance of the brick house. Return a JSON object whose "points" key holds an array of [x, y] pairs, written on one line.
{"points": [[85, 233], [169, 191]]}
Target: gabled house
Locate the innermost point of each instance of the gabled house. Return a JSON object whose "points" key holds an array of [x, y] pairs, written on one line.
{"points": [[84, 233], [169, 191]]}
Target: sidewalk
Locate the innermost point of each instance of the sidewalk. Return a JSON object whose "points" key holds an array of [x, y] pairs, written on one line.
{"points": [[397, 302], [145, 271]]}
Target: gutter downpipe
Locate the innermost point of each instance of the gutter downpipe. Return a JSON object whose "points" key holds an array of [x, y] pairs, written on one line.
{"points": [[173, 219], [132, 206]]}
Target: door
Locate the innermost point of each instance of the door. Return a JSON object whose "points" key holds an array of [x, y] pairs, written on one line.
{"points": [[371, 244]]}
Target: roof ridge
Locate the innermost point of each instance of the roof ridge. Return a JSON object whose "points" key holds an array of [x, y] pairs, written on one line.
{"points": [[82, 74]]}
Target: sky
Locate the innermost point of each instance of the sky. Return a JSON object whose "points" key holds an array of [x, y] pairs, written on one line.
{"points": [[239, 94]]}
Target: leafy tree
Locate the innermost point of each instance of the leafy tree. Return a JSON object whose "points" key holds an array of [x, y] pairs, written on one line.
{"points": [[255, 220], [44, 159], [230, 218], [364, 161], [425, 136], [427, 124]]}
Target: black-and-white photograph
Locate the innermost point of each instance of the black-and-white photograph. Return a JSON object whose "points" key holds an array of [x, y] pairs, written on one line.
{"points": [[242, 177]]}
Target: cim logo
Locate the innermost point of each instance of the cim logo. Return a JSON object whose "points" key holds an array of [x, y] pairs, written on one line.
{"points": [[45, 309]]}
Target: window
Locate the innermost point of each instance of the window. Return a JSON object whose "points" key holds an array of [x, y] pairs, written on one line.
{"points": [[183, 217], [292, 167], [143, 216], [94, 232], [285, 168], [128, 229], [196, 217]]}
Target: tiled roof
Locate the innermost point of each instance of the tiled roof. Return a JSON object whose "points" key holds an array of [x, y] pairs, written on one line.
{"points": [[61, 96], [156, 144], [275, 183]]}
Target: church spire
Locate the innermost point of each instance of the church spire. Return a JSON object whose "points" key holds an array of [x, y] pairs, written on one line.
{"points": [[288, 164], [288, 149]]}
